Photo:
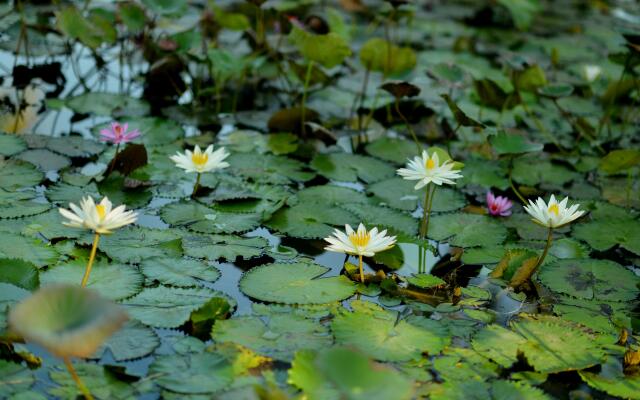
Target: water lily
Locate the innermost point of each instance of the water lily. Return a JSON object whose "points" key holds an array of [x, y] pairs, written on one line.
{"points": [[591, 72], [68, 321], [498, 205], [101, 218], [199, 161], [118, 133], [552, 215], [360, 242], [427, 169]]}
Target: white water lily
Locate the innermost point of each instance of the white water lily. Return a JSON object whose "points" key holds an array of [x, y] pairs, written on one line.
{"points": [[427, 169], [591, 72], [101, 218], [199, 161], [553, 214], [360, 242]]}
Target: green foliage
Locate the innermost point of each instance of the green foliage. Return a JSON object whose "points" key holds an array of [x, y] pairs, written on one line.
{"points": [[328, 50], [381, 56]]}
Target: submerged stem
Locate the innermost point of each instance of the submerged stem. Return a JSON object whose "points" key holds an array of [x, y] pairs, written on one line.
{"points": [[408, 125], [361, 271], [196, 186], [92, 256], [74, 375]]}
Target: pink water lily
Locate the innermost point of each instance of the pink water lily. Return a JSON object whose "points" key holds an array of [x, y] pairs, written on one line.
{"points": [[118, 133], [498, 205]]}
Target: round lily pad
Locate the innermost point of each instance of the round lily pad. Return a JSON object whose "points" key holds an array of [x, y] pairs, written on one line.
{"points": [[296, 283], [590, 279], [179, 271], [192, 373]]}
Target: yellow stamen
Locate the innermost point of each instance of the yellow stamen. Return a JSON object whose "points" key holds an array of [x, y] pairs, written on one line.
{"points": [[430, 164], [359, 239], [200, 159], [554, 209], [101, 211]]}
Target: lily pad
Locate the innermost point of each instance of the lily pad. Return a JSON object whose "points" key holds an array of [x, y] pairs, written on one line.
{"points": [[134, 340], [296, 283], [591, 279], [279, 338], [307, 220], [351, 167], [228, 247], [197, 373], [179, 271], [466, 230], [378, 333], [203, 219], [603, 234], [27, 249]]}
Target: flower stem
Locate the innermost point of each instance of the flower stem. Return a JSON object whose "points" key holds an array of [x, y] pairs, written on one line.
{"points": [[361, 271], [546, 249], [307, 79], [408, 125], [195, 187], [513, 187], [113, 161], [92, 257], [426, 210], [74, 375]]}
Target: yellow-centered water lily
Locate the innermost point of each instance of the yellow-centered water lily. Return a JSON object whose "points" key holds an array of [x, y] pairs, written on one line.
{"points": [[360, 243], [427, 169], [553, 214], [100, 218], [201, 161]]}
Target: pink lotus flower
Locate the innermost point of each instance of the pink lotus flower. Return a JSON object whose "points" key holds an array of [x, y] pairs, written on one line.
{"points": [[498, 205], [118, 134]]}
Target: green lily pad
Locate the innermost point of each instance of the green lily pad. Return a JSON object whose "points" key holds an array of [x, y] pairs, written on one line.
{"points": [[19, 273], [18, 174], [133, 340], [307, 220], [331, 194], [613, 381], [395, 150], [11, 144], [113, 281], [134, 244], [179, 271], [554, 345], [102, 382], [377, 333], [107, 104], [399, 193], [279, 338], [203, 219], [425, 281], [70, 146], [228, 247], [14, 378], [192, 373], [67, 320], [591, 279], [340, 373], [27, 249], [296, 283], [351, 167], [466, 230], [619, 160], [384, 217], [603, 234], [268, 168], [498, 344], [503, 143], [168, 307], [19, 209], [328, 50]]}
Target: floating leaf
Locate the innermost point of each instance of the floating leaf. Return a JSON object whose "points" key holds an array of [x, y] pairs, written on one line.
{"points": [[167, 307], [134, 340], [192, 373], [19, 273], [268, 168], [228, 247], [18, 174], [328, 50], [466, 230], [14, 379], [307, 220], [179, 271], [603, 234], [351, 167], [498, 344], [380, 55], [134, 244], [503, 143], [296, 283], [107, 104], [590, 279], [27, 249], [200, 218], [394, 150], [11, 144], [280, 338], [102, 381], [113, 281], [619, 160], [378, 333], [384, 217]]}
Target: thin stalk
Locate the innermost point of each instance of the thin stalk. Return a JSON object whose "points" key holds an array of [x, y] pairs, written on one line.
{"points": [[92, 257], [546, 249], [112, 164], [195, 187], [419, 259], [408, 125], [74, 375], [362, 97], [361, 270], [629, 185], [513, 187], [426, 210], [307, 78]]}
